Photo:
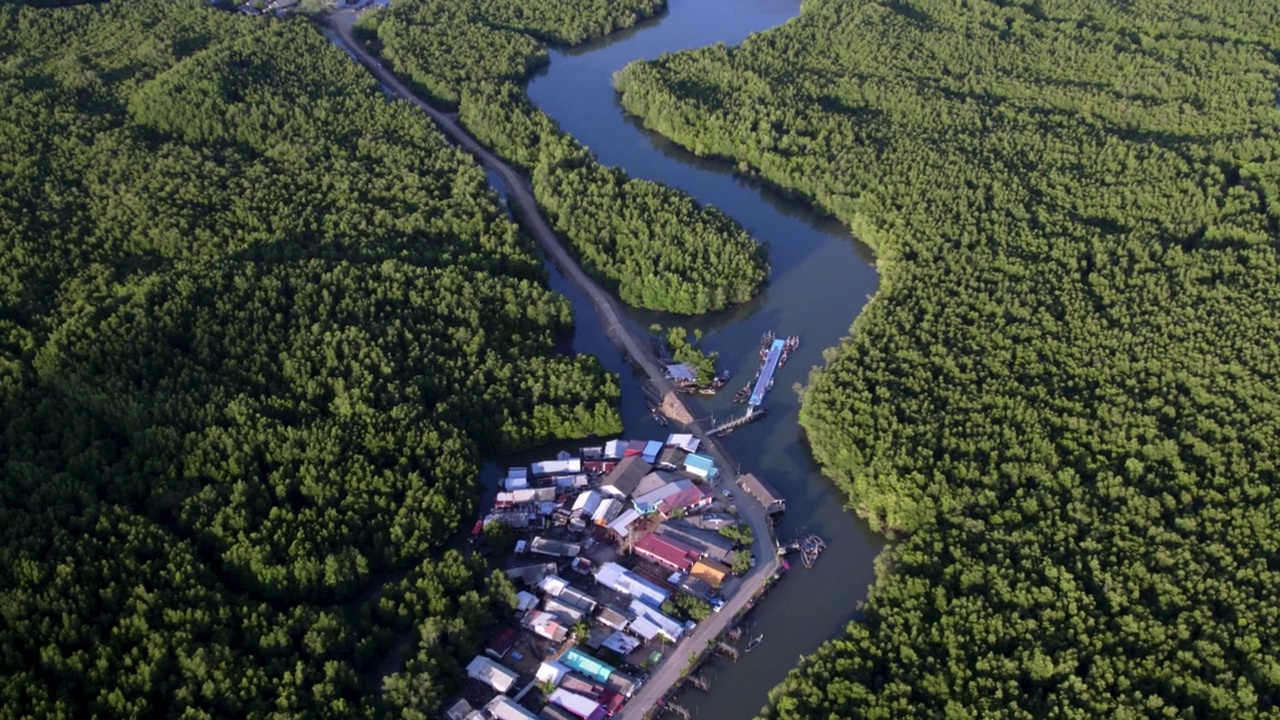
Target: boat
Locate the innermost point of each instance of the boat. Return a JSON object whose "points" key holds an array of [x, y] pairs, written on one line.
{"points": [[755, 642], [660, 419]]}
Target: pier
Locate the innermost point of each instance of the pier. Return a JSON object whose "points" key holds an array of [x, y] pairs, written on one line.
{"points": [[765, 381]]}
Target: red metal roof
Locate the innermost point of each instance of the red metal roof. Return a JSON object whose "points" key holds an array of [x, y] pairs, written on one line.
{"points": [[685, 498], [671, 553]]}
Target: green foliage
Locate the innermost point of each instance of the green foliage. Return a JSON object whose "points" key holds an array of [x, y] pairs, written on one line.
{"points": [[446, 606], [655, 246], [500, 537], [1064, 396], [257, 327], [740, 533], [685, 351], [741, 562], [683, 606]]}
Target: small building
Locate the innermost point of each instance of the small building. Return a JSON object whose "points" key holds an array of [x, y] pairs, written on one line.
{"points": [[701, 466], [624, 685], [563, 466], [546, 625], [710, 571], [624, 479], [648, 502], [636, 447], [517, 479], [763, 492], [587, 665], [460, 710], [587, 502], [711, 521], [532, 574], [526, 600], [504, 708], [490, 673], [685, 441], [609, 509], [560, 589], [562, 610], [514, 498], [682, 373], [651, 450], [614, 450], [622, 525], [653, 481], [649, 623], [671, 458], [619, 579], [554, 548], [667, 552], [711, 544], [612, 619], [687, 498], [555, 712], [551, 672], [695, 586], [620, 643], [501, 643], [514, 519]]}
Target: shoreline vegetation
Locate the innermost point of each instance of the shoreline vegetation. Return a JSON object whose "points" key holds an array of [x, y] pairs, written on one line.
{"points": [[1062, 402], [258, 327], [654, 246]]}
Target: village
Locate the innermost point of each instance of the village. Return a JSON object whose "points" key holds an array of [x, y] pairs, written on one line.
{"points": [[618, 553]]}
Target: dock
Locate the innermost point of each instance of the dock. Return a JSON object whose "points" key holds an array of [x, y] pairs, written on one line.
{"points": [[765, 381], [751, 415]]}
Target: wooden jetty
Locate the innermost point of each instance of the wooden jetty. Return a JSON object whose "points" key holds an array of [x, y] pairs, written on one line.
{"points": [[677, 710], [751, 415], [726, 649]]}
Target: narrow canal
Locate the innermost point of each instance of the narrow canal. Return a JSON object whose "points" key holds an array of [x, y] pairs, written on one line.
{"points": [[821, 279]]}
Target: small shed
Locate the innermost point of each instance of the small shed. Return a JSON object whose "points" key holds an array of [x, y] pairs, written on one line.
{"points": [[491, 673], [710, 571], [701, 466], [763, 492], [504, 708], [501, 643], [682, 372], [684, 441], [551, 672]]}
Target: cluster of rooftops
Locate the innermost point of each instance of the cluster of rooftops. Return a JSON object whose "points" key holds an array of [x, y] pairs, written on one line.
{"points": [[636, 522]]}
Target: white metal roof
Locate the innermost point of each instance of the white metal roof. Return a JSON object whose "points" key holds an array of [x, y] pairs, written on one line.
{"points": [[491, 673], [579, 705], [571, 466], [504, 708]]}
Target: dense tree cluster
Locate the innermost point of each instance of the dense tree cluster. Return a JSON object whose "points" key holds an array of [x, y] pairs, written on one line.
{"points": [[655, 246], [257, 326], [1065, 398]]}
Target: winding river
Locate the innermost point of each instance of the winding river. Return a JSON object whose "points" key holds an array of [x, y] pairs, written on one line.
{"points": [[821, 279]]}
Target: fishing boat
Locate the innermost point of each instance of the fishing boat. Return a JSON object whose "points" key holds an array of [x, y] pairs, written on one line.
{"points": [[755, 642], [660, 419]]}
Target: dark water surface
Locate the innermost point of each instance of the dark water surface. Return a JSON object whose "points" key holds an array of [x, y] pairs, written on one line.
{"points": [[821, 279]]}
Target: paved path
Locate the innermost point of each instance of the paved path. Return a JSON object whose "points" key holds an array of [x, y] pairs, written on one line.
{"points": [[615, 325]]}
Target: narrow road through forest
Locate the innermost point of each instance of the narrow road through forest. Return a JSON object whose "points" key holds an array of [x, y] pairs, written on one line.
{"points": [[611, 318]]}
